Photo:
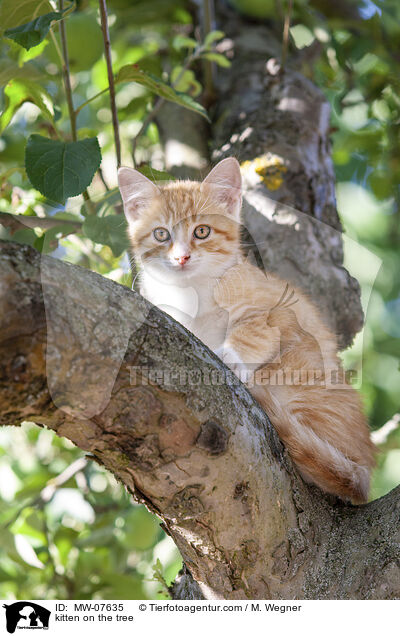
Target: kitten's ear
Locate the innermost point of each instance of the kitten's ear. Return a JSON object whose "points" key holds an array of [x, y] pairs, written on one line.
{"points": [[136, 191], [227, 180]]}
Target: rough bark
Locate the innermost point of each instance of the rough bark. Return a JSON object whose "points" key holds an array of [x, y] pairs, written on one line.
{"points": [[97, 364]]}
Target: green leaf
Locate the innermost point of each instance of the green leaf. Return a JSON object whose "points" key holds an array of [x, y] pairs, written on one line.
{"points": [[35, 51], [213, 36], [25, 236], [33, 32], [182, 42], [132, 73], [60, 170], [219, 59], [185, 81], [122, 586], [155, 175], [107, 230], [13, 13], [10, 70], [17, 92], [18, 54], [159, 576], [49, 239], [142, 529], [64, 539], [30, 523]]}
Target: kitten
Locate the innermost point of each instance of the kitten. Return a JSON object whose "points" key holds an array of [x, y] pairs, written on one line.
{"points": [[185, 238]]}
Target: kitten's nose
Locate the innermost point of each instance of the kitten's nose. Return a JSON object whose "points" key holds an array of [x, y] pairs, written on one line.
{"points": [[182, 259]]}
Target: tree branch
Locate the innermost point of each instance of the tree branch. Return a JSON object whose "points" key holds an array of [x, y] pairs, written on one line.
{"points": [[107, 53], [98, 364], [19, 221], [285, 35], [66, 75], [278, 125]]}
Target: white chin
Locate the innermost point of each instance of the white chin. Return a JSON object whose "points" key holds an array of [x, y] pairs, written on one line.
{"points": [[172, 274], [181, 273]]}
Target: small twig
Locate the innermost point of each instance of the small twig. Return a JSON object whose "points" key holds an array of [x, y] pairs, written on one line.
{"points": [[89, 253], [50, 544], [18, 221], [107, 53], [89, 203], [104, 182], [143, 127], [56, 45], [380, 436], [285, 38], [67, 76], [47, 493], [79, 108]]}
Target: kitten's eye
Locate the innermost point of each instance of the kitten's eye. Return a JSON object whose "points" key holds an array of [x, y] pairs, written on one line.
{"points": [[161, 234], [202, 231]]}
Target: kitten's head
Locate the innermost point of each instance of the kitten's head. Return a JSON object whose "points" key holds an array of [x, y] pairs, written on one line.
{"points": [[184, 229]]}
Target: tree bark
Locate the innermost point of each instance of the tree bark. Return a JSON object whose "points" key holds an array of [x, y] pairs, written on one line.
{"points": [[277, 124], [99, 365], [185, 138]]}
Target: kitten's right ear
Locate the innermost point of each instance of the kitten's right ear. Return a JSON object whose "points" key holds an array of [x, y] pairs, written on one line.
{"points": [[136, 191], [227, 182]]}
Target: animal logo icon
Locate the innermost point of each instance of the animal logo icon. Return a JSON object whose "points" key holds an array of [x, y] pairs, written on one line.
{"points": [[26, 615]]}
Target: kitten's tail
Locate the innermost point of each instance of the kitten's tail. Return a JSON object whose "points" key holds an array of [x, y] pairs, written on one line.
{"points": [[317, 459]]}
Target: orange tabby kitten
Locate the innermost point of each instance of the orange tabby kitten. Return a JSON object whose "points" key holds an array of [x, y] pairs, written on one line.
{"points": [[185, 237]]}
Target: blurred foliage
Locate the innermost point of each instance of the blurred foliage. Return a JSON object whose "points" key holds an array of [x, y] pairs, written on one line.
{"points": [[84, 538]]}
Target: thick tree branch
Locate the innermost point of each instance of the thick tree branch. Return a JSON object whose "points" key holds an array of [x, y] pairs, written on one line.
{"points": [[76, 355]]}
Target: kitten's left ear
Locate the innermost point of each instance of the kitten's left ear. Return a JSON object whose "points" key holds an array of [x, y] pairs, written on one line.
{"points": [[137, 191], [227, 180]]}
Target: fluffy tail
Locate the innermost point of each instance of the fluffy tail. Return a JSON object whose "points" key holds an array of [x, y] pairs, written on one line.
{"points": [[318, 460]]}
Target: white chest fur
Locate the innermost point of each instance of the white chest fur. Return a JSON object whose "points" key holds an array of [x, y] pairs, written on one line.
{"points": [[192, 305]]}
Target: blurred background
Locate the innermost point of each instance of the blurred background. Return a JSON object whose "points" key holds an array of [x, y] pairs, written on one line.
{"points": [[68, 529]]}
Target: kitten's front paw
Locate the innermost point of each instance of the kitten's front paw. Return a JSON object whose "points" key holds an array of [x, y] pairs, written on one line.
{"points": [[232, 359]]}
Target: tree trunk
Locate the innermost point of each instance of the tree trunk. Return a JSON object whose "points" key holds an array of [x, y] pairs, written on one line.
{"points": [[276, 122], [99, 365]]}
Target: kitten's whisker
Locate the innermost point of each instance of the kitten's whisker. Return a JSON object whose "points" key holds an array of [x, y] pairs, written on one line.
{"points": [[134, 280], [281, 299], [288, 298], [291, 304], [203, 207]]}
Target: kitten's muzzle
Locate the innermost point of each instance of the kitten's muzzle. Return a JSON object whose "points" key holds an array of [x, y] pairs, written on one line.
{"points": [[182, 259]]}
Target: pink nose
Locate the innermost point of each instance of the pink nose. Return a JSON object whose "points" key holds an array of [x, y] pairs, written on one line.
{"points": [[182, 259]]}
